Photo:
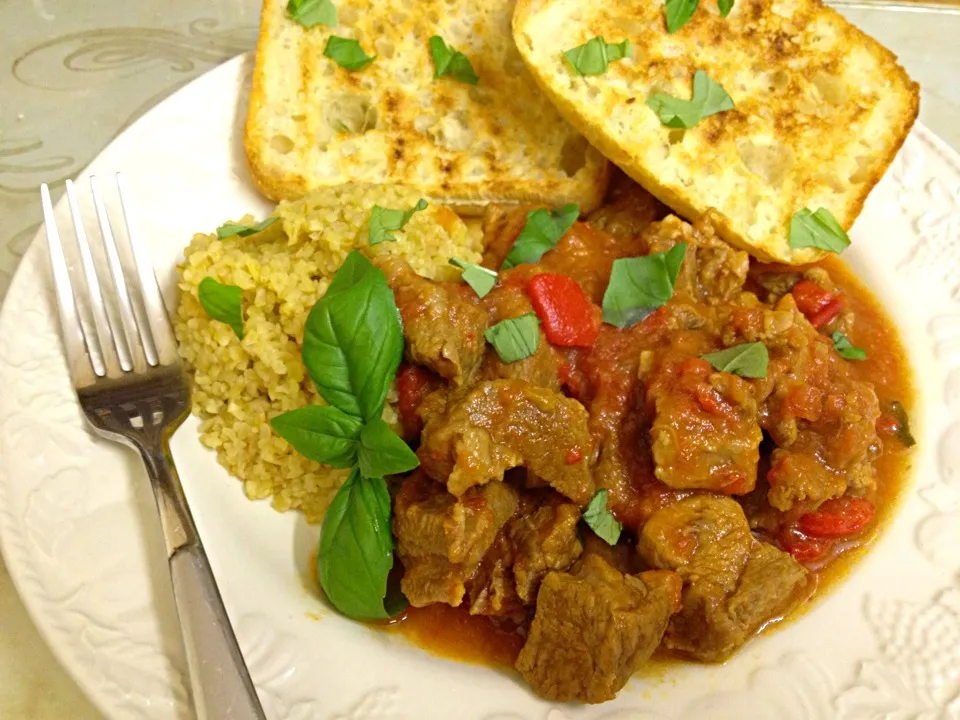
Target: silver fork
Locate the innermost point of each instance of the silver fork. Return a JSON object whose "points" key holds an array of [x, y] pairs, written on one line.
{"points": [[132, 389]]}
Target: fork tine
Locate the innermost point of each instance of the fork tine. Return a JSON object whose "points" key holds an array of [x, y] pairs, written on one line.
{"points": [[75, 334], [104, 327], [129, 320], [162, 343]]}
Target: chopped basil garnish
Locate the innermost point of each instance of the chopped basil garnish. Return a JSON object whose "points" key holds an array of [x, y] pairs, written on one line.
{"points": [[347, 53], [709, 98], [903, 424], [818, 229], [479, 278], [342, 127], [595, 56], [601, 520], [356, 549], [222, 302], [321, 433], [542, 232], [384, 220], [640, 285], [515, 339], [231, 229], [842, 344], [313, 12], [352, 345], [448, 61], [383, 452], [679, 13], [748, 360], [725, 7]]}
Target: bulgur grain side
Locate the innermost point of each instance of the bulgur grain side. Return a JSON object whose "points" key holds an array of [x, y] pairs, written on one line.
{"points": [[239, 385]]}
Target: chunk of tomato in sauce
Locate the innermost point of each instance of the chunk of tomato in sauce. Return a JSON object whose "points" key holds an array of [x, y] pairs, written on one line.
{"points": [[818, 305], [569, 318], [414, 383], [837, 518], [805, 550]]}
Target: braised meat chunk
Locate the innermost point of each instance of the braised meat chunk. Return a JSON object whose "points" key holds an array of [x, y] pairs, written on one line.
{"points": [[441, 539], [501, 424], [705, 434], [593, 628], [629, 211], [443, 322], [732, 583]]}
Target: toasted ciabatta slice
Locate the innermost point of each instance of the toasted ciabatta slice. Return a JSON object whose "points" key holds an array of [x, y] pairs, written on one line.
{"points": [[311, 123], [820, 108]]}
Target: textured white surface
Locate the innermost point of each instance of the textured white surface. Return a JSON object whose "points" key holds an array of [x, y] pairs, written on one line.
{"points": [[80, 537]]}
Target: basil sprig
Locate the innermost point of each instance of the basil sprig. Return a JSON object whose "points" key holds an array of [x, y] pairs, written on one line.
{"points": [[481, 279], [709, 98], [899, 413], [679, 13], [748, 360], [240, 230], [842, 344], [352, 346], [640, 285], [448, 61], [818, 229], [356, 549], [595, 56], [321, 433], [313, 12], [347, 53], [385, 220], [222, 302], [515, 339], [601, 520], [542, 232], [725, 7]]}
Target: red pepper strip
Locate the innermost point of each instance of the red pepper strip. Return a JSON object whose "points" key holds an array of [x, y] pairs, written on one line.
{"points": [[818, 305], [569, 318], [837, 518], [805, 550]]}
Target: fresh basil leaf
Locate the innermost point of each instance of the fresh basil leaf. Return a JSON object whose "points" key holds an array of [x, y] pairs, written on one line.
{"points": [[679, 13], [356, 548], [595, 56], [231, 229], [383, 452], [725, 7], [516, 338], [709, 98], [478, 277], [640, 285], [353, 339], [601, 520], [313, 12], [903, 424], [842, 344], [818, 229], [448, 61], [321, 433], [542, 232], [748, 360], [222, 302], [383, 220], [347, 53]]}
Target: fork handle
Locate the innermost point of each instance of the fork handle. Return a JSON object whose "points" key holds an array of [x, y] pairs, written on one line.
{"points": [[220, 682]]}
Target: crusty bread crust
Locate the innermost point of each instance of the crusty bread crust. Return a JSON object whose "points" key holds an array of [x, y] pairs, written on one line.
{"points": [[501, 141], [817, 140]]}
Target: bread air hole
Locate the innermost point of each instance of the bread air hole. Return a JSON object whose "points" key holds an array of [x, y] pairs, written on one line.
{"points": [[384, 48], [831, 88], [573, 155], [281, 144], [352, 113], [768, 159], [452, 132]]}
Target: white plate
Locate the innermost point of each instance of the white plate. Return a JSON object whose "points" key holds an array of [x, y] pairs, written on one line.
{"points": [[81, 540]]}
